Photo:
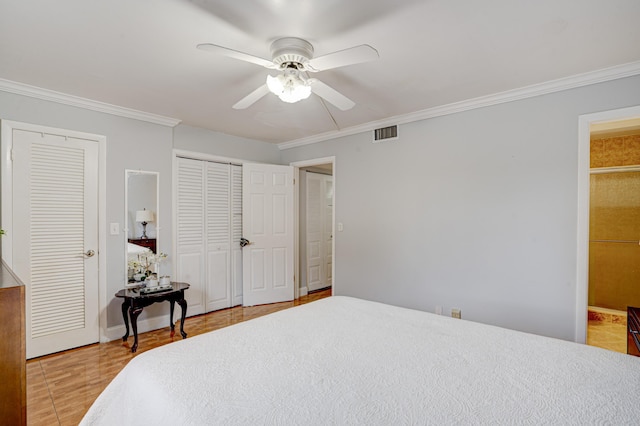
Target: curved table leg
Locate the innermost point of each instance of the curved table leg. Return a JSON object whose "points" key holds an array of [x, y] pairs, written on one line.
{"points": [[134, 313], [125, 316], [171, 324], [183, 305]]}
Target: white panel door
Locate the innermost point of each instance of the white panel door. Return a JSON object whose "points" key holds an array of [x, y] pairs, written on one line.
{"points": [[267, 201], [327, 224], [319, 207], [55, 211], [315, 234], [190, 224]]}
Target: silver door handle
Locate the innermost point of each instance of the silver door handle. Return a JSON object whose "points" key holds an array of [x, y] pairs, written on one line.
{"points": [[244, 242], [90, 253]]}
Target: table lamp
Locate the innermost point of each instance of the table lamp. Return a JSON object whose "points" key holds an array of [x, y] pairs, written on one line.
{"points": [[144, 216]]}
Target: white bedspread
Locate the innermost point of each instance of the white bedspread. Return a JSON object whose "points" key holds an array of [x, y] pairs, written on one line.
{"points": [[347, 361], [134, 250]]}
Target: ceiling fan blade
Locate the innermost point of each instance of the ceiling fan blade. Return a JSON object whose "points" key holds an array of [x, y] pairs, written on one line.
{"points": [[331, 95], [236, 55], [252, 97], [353, 55]]}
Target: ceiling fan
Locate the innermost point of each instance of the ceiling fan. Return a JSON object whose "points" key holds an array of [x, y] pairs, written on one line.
{"points": [[294, 58]]}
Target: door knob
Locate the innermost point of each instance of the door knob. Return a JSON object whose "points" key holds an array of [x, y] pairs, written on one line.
{"points": [[90, 253], [244, 242]]}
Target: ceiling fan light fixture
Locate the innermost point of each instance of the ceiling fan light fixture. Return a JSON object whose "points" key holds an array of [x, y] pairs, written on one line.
{"points": [[289, 88]]}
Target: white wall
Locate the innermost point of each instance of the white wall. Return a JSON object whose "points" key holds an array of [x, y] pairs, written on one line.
{"points": [[222, 145], [475, 210]]}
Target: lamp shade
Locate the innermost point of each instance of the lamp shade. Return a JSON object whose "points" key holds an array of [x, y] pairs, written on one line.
{"points": [[144, 216]]}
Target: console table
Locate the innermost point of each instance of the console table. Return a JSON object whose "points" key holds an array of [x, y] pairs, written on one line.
{"points": [[135, 301]]}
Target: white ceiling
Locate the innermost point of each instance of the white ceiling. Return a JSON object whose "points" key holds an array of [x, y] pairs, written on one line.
{"points": [[141, 54]]}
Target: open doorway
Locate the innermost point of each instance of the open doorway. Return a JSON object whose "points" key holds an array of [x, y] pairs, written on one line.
{"points": [[613, 231], [315, 225]]}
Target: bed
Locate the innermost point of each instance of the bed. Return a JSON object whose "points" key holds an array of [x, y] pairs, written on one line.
{"points": [[134, 251], [342, 360]]}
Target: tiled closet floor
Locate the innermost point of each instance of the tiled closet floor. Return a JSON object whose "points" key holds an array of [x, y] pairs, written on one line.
{"points": [[608, 334]]}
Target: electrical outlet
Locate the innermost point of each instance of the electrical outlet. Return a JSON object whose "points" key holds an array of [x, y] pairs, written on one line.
{"points": [[456, 313], [439, 310]]}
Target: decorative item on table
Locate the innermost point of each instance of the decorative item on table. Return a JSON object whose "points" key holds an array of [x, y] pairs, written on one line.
{"points": [[155, 289], [146, 265], [165, 280], [144, 217], [152, 280], [136, 270]]}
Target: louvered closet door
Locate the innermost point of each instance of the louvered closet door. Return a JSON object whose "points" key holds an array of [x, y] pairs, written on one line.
{"points": [[55, 187], [236, 234], [209, 227], [218, 213], [190, 229]]}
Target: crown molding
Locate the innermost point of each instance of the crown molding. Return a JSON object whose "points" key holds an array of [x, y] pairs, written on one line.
{"points": [[566, 83], [76, 101]]}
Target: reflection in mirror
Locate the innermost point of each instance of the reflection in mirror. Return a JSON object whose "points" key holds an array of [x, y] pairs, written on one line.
{"points": [[141, 220]]}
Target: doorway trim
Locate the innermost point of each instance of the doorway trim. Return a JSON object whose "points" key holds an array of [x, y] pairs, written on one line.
{"points": [[296, 226], [584, 159], [7, 127]]}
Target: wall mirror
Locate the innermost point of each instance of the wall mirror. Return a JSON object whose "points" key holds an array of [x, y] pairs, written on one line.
{"points": [[141, 220]]}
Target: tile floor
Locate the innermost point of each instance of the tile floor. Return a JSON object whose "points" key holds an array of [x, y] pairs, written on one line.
{"points": [[608, 331]]}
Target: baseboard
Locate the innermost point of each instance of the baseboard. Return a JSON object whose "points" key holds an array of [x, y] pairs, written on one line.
{"points": [[304, 291]]}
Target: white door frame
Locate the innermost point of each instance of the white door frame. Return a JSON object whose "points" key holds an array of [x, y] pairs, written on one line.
{"points": [[6, 130], [296, 227], [582, 272]]}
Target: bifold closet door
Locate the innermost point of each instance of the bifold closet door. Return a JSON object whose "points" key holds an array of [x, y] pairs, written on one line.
{"points": [[218, 232], [209, 218], [190, 232], [236, 234]]}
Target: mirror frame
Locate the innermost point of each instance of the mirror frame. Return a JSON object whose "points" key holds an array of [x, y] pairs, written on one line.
{"points": [[128, 173]]}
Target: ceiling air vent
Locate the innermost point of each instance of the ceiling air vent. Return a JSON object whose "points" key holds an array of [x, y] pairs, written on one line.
{"points": [[385, 134]]}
